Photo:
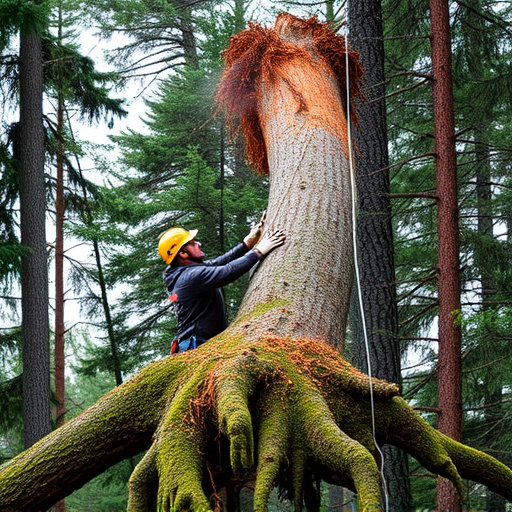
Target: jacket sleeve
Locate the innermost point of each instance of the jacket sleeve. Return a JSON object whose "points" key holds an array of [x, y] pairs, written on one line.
{"points": [[232, 254], [205, 277]]}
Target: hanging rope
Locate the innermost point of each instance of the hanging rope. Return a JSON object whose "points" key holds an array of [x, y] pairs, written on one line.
{"points": [[353, 191]]}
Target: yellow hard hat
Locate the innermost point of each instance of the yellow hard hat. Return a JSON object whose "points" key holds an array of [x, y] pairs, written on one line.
{"points": [[172, 240]]}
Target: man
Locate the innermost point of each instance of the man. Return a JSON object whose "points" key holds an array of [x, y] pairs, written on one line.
{"points": [[194, 285]]}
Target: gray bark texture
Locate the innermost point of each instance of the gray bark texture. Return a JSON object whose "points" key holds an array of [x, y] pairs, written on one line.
{"points": [[34, 275], [374, 233]]}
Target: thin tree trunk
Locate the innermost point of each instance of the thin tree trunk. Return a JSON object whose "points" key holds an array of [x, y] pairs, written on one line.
{"points": [[60, 207], [375, 234], [103, 290], [34, 280], [108, 318], [59, 271], [222, 180], [449, 357]]}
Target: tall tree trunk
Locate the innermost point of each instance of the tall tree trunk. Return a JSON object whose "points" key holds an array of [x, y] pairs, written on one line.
{"points": [[59, 355], [309, 176], [60, 207], [374, 233], [222, 182], [34, 280], [449, 356], [494, 415]]}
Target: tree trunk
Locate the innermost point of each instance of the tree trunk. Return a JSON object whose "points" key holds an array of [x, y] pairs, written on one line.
{"points": [[59, 356], [449, 356], [309, 199], [374, 233], [34, 281], [494, 415]]}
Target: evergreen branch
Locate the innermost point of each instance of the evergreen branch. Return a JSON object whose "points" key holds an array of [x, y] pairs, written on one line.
{"points": [[406, 89], [412, 195], [491, 19], [417, 338], [422, 383], [487, 406], [427, 76], [403, 162], [427, 308], [435, 410]]}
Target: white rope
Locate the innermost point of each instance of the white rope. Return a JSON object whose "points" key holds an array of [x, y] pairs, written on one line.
{"points": [[353, 191]]}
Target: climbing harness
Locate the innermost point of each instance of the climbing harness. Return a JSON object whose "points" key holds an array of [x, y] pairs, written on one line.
{"points": [[183, 345], [353, 192]]}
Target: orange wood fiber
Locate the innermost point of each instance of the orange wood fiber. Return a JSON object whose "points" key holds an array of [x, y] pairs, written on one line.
{"points": [[259, 53]]}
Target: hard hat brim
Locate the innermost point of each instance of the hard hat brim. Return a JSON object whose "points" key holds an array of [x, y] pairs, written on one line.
{"points": [[193, 234]]}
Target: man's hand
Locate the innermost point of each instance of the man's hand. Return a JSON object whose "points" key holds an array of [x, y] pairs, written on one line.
{"points": [[270, 241], [252, 238]]}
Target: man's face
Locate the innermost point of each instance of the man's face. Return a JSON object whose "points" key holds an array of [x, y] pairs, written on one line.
{"points": [[193, 249]]}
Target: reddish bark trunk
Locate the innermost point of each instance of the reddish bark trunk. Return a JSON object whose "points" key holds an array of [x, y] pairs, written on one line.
{"points": [[449, 357]]}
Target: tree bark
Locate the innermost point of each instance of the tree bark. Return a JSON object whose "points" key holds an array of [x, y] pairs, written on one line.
{"points": [[449, 356], [59, 356], [309, 199], [34, 280], [374, 230]]}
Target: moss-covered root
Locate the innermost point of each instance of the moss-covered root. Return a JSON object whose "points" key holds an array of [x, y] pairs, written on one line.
{"points": [[273, 445], [480, 467], [143, 484], [179, 455], [325, 365], [409, 431], [338, 452], [234, 382]]}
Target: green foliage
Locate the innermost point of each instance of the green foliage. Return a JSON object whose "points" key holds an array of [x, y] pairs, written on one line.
{"points": [[75, 77], [481, 72], [21, 15], [183, 171], [11, 423], [107, 492]]}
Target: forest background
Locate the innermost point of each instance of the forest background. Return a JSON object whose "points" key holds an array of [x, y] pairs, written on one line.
{"points": [[112, 192]]}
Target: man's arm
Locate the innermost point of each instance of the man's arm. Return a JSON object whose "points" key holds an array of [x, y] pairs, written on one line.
{"points": [[216, 276], [233, 254], [208, 276]]}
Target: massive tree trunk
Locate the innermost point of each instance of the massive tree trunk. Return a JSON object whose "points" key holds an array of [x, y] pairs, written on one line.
{"points": [[306, 148], [267, 402]]}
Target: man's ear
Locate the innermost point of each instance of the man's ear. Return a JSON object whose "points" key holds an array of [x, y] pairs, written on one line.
{"points": [[183, 254]]}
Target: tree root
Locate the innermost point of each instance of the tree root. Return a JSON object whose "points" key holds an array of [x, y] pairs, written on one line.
{"points": [[274, 412]]}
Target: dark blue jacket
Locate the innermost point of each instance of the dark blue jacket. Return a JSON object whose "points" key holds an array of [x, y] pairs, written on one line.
{"points": [[195, 291]]}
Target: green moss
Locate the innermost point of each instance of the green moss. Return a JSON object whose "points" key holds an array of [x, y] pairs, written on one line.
{"points": [[260, 309], [297, 400]]}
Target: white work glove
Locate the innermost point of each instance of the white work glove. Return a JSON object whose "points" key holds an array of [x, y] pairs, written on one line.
{"points": [[252, 238], [270, 241]]}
